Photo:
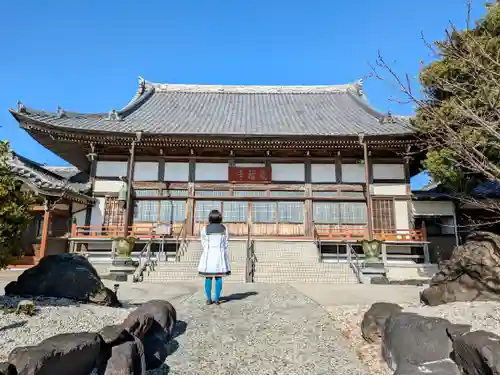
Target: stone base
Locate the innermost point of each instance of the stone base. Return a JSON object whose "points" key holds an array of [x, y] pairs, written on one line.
{"points": [[372, 270], [121, 269], [124, 262]]}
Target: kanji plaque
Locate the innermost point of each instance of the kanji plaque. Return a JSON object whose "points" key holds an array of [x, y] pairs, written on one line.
{"points": [[249, 175]]}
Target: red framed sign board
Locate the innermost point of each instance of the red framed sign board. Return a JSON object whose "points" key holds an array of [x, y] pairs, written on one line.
{"points": [[249, 175]]}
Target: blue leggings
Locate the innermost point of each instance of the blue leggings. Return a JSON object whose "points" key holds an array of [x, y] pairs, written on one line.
{"points": [[208, 288]]}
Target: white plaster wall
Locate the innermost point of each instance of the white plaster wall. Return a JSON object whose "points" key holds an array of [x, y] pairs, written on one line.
{"points": [[353, 173], [323, 173], [432, 208], [146, 171], [111, 169], [402, 218], [288, 172], [176, 171], [389, 171], [97, 215], [388, 189], [212, 171], [106, 186], [79, 216]]}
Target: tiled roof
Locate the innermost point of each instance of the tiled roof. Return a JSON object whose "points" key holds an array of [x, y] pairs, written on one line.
{"points": [[488, 189], [44, 179], [234, 110]]}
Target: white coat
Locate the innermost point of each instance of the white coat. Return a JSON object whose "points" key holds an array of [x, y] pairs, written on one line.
{"points": [[214, 260]]}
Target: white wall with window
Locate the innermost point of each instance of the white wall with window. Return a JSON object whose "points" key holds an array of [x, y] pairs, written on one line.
{"points": [[111, 169], [340, 213], [353, 173]]}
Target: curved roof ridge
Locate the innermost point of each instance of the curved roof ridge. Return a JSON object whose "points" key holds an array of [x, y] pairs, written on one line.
{"points": [[362, 101], [256, 89], [141, 95]]}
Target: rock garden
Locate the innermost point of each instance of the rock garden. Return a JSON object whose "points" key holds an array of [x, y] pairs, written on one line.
{"points": [[75, 325], [455, 329]]}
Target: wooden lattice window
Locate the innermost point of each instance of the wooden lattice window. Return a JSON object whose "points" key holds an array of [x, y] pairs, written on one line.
{"points": [[383, 214], [113, 214]]}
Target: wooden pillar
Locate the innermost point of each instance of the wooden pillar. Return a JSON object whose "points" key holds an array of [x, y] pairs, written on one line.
{"points": [[45, 232], [369, 203], [93, 168], [190, 201], [130, 181], [308, 214]]}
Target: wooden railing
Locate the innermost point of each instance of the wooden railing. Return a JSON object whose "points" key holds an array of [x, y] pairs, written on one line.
{"points": [[357, 233], [181, 242], [140, 231]]}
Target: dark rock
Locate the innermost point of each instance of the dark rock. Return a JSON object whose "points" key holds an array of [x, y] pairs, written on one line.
{"points": [[7, 369], [477, 353], [411, 340], [379, 280], [63, 276], [65, 354], [443, 367], [471, 274], [126, 360], [374, 319], [115, 335], [161, 311], [153, 323]]}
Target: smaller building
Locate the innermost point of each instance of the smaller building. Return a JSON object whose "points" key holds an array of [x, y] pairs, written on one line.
{"points": [[60, 194]]}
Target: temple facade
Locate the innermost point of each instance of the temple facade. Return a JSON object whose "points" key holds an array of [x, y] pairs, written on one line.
{"points": [[282, 162]]}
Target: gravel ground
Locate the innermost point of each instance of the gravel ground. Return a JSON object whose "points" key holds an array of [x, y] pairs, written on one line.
{"points": [[261, 330], [481, 315]]}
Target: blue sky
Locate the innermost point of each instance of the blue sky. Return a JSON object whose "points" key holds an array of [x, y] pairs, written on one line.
{"points": [[86, 56]]}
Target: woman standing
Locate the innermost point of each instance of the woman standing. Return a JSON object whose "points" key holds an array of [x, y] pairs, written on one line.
{"points": [[214, 261]]}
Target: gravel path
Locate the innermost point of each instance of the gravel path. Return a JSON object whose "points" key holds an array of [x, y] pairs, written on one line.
{"points": [[262, 329]]}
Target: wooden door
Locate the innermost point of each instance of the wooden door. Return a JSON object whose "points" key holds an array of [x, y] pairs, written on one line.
{"points": [[114, 216]]}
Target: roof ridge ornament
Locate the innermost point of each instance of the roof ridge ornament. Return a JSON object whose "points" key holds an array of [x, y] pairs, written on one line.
{"points": [[60, 112], [358, 87], [114, 115], [142, 86], [388, 119], [20, 107]]}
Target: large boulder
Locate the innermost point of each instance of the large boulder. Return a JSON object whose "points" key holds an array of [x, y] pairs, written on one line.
{"points": [[411, 340], [442, 367], [7, 369], [152, 323], [471, 274], [126, 360], [477, 353], [63, 276], [374, 319], [64, 354]]}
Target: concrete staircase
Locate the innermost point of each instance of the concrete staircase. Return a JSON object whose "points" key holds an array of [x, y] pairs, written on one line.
{"points": [[186, 269], [297, 262]]}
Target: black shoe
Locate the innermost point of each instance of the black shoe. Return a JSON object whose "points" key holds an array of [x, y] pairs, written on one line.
{"points": [[209, 302]]}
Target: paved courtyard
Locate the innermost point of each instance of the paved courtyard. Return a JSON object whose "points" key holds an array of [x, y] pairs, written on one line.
{"points": [[259, 329]]}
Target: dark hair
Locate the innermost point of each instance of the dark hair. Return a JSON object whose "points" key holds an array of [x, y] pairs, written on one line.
{"points": [[215, 217]]}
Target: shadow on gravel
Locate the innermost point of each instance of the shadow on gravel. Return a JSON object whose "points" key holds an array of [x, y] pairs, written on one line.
{"points": [[13, 325], [179, 329], [237, 296]]}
